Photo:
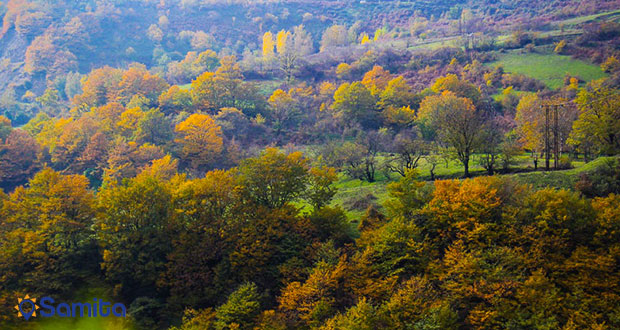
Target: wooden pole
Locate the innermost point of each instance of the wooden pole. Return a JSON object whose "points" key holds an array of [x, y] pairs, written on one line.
{"points": [[556, 137], [547, 144]]}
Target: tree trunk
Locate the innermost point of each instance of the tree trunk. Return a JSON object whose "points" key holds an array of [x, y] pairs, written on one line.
{"points": [[466, 165]]}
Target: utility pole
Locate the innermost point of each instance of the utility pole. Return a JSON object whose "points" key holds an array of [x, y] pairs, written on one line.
{"points": [[547, 144], [556, 138]]}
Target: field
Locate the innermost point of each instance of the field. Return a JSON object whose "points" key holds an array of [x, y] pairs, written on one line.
{"points": [[549, 68], [353, 194], [610, 15]]}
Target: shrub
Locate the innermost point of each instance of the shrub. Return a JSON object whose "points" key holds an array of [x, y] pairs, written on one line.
{"points": [[565, 163], [602, 181]]}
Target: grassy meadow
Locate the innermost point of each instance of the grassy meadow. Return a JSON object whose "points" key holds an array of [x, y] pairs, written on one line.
{"points": [[548, 68]]}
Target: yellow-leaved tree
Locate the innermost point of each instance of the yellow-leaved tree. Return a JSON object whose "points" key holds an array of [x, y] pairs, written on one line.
{"points": [[268, 45], [530, 123], [201, 140], [377, 79], [282, 38]]}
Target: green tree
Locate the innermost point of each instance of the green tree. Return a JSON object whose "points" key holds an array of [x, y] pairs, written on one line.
{"points": [[598, 123], [203, 207], [456, 121], [133, 233], [274, 178], [47, 238], [175, 100], [240, 310], [153, 128], [355, 103], [397, 94]]}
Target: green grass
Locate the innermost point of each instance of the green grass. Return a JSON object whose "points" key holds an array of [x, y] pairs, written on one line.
{"points": [[435, 43], [549, 68], [565, 179], [354, 188], [185, 87], [589, 18], [351, 189], [266, 87]]}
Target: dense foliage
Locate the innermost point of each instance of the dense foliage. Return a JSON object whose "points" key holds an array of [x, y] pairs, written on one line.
{"points": [[185, 158]]}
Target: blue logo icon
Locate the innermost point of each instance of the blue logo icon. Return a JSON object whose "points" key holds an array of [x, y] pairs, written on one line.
{"points": [[27, 307]]}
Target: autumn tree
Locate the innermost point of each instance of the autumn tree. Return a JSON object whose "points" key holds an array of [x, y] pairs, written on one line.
{"points": [[343, 71], [229, 76], [376, 80], [50, 101], [348, 157], [274, 178], [127, 158], [50, 222], [358, 159], [6, 127], [461, 88], [598, 124], [44, 56], [72, 141], [234, 124], [491, 149], [18, 158], [132, 231], [204, 205], [94, 158], [127, 122], [200, 139], [197, 319], [268, 45], [611, 65], [397, 93], [225, 88], [153, 128], [32, 23], [291, 47], [334, 36], [192, 66], [354, 102], [456, 122], [398, 117], [138, 81], [106, 116], [531, 123], [284, 111], [302, 41], [314, 300], [321, 190], [544, 125], [206, 94], [98, 87], [175, 100]]}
